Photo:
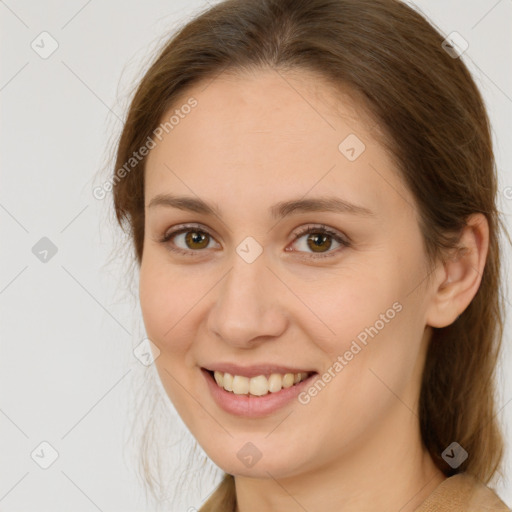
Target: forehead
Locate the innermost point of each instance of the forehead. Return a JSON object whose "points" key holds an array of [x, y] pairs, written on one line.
{"points": [[267, 134]]}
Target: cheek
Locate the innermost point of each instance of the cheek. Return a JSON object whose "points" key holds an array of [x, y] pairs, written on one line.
{"points": [[371, 321], [351, 305], [166, 301], [376, 355], [164, 305]]}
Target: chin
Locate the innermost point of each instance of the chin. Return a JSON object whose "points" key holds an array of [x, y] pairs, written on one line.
{"points": [[257, 458]]}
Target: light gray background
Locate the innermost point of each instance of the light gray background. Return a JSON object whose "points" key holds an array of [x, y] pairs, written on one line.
{"points": [[69, 325]]}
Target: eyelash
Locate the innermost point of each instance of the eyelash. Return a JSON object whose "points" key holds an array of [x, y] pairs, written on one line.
{"points": [[318, 229]]}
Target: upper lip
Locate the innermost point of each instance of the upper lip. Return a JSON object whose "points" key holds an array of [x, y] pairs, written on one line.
{"points": [[253, 370]]}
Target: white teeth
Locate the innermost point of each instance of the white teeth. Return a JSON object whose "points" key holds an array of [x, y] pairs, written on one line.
{"points": [[240, 385], [275, 383], [219, 378], [288, 380], [258, 386], [227, 382]]}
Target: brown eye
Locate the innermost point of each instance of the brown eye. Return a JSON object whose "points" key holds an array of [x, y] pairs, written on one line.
{"points": [[317, 242], [191, 241], [196, 239], [320, 240], [187, 240]]}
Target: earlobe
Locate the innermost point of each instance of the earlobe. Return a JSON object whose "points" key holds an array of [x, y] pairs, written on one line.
{"points": [[461, 274]]}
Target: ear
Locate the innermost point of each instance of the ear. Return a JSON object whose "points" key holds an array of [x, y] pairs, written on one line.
{"points": [[458, 278]]}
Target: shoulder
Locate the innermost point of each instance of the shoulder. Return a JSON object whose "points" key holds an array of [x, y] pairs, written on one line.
{"points": [[462, 493]]}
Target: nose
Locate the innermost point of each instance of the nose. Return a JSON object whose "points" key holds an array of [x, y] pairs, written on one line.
{"points": [[247, 311]]}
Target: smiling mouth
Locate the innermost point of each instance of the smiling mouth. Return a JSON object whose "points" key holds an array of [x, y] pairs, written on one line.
{"points": [[257, 386]]}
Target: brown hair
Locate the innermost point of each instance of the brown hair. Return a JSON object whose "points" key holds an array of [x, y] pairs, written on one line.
{"points": [[438, 132]]}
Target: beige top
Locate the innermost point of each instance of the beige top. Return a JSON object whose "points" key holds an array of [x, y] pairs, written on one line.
{"points": [[462, 493], [459, 493]]}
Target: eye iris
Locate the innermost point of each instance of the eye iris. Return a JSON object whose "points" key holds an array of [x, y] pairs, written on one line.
{"points": [[195, 237], [318, 239]]}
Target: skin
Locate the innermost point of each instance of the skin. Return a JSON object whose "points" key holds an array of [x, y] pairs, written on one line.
{"points": [[253, 140]]}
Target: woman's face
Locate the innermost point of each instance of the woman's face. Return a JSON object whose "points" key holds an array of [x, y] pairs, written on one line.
{"points": [[243, 289]]}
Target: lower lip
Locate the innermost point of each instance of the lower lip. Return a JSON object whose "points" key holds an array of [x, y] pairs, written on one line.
{"points": [[251, 406]]}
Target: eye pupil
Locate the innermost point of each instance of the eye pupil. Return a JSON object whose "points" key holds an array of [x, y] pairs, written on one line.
{"points": [[317, 240], [195, 237]]}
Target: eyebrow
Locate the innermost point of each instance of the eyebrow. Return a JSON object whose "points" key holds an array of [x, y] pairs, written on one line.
{"points": [[277, 211]]}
